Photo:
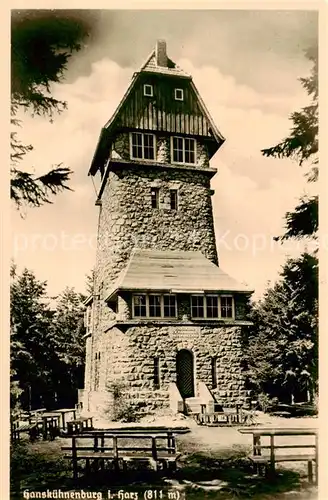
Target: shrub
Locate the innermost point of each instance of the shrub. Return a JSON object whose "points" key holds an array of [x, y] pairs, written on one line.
{"points": [[121, 407], [266, 403]]}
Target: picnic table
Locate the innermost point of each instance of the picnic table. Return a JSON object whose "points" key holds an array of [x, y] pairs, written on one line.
{"points": [[63, 413], [118, 447], [49, 424], [268, 460]]}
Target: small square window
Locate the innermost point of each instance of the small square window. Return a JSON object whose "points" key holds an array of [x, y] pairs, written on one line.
{"points": [[148, 90], [178, 94]]}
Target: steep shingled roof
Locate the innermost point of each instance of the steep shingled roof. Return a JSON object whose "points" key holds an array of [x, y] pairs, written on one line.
{"points": [[174, 271]]}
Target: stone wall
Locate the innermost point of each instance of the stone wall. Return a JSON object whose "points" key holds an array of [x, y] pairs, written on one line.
{"points": [[127, 220], [128, 356]]}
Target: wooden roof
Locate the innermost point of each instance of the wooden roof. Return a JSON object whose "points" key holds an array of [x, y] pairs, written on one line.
{"points": [[160, 112], [176, 272]]}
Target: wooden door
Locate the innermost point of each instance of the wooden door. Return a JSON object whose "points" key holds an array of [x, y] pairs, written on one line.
{"points": [[185, 373]]}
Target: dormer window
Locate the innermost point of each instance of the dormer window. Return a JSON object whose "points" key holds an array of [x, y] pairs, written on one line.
{"points": [[148, 90], [142, 146], [178, 94]]}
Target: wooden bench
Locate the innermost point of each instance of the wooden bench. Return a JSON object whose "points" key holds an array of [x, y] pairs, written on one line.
{"points": [[226, 418], [79, 425], [18, 428], [269, 460], [157, 449]]}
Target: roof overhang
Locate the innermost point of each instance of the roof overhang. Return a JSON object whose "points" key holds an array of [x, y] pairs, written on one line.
{"points": [[88, 300], [116, 291]]}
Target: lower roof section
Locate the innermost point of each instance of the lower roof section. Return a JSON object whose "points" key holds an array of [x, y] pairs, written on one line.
{"points": [[174, 272]]}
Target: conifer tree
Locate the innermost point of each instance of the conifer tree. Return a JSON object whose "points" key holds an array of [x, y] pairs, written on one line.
{"points": [[302, 146], [42, 42], [283, 346]]}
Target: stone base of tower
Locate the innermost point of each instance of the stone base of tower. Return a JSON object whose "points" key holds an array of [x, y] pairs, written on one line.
{"points": [[201, 362], [136, 404], [132, 405]]}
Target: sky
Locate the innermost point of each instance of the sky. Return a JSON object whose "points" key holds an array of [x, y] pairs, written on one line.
{"points": [[246, 66]]}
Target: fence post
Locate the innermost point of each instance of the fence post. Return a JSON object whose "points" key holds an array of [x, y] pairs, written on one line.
{"points": [[316, 458], [74, 457], [272, 461], [115, 453]]}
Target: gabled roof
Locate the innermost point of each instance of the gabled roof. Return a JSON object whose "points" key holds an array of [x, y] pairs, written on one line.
{"points": [[176, 272], [151, 66]]}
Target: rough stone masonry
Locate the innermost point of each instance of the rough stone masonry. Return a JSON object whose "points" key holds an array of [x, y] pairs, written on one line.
{"points": [[138, 351]]}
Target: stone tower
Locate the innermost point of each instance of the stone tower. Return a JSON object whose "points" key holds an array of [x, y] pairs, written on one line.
{"points": [[163, 318]]}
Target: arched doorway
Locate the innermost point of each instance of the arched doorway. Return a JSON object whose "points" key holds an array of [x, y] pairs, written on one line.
{"points": [[185, 373]]}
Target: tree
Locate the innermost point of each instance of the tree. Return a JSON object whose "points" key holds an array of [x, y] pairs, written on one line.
{"points": [[69, 343], [302, 145], [31, 339], [283, 345], [41, 46], [47, 345], [282, 353]]}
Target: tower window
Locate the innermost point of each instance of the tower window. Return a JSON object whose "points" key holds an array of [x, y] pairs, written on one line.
{"points": [[226, 306], [140, 305], [170, 308], [154, 197], [174, 199], [88, 319], [183, 150], [197, 306], [214, 372], [156, 373], [178, 94], [155, 306], [212, 306], [142, 146], [148, 90]]}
